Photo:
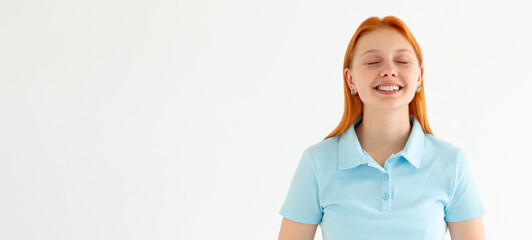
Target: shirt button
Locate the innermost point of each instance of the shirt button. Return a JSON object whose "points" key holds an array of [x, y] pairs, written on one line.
{"points": [[385, 176], [385, 196]]}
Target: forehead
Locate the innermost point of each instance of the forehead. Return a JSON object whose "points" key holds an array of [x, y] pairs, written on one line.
{"points": [[381, 40]]}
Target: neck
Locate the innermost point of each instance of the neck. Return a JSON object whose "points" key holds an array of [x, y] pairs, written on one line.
{"points": [[384, 132]]}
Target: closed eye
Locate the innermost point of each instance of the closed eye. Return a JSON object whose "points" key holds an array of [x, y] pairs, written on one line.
{"points": [[371, 63]]}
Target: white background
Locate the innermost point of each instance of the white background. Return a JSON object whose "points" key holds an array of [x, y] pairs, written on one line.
{"points": [[186, 120]]}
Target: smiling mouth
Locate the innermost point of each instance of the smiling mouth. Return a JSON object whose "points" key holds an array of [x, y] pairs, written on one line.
{"points": [[388, 88]]}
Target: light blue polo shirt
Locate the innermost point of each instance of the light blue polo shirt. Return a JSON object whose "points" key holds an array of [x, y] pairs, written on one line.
{"points": [[338, 185]]}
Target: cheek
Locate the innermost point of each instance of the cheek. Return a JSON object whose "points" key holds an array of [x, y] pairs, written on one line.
{"points": [[410, 74], [364, 81], [366, 75]]}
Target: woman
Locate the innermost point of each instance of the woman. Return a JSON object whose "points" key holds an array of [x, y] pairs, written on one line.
{"points": [[382, 174]]}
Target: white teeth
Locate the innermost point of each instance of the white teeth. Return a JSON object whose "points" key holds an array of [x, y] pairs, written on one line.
{"points": [[388, 88]]}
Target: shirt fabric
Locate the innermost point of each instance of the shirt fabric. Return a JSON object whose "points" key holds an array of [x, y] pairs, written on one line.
{"points": [[340, 186]]}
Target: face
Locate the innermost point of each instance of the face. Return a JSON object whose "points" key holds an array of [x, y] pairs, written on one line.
{"points": [[384, 56]]}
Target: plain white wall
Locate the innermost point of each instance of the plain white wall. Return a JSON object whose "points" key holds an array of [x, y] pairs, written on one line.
{"points": [[185, 120]]}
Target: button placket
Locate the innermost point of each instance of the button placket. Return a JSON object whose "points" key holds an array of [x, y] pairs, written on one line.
{"points": [[385, 196], [386, 186]]}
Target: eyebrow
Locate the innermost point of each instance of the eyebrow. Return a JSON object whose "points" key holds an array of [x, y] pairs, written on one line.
{"points": [[375, 50]]}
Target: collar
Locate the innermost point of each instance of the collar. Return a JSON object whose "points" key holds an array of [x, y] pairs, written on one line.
{"points": [[351, 153]]}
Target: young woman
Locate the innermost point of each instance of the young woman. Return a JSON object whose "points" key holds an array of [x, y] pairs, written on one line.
{"points": [[382, 174]]}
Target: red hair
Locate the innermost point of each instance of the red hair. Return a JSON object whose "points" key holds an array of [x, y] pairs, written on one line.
{"points": [[353, 107]]}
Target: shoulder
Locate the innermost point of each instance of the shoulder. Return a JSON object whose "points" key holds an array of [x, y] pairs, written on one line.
{"points": [[324, 153], [439, 147], [442, 154], [323, 147]]}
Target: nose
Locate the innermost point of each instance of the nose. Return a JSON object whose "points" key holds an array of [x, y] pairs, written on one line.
{"points": [[388, 71]]}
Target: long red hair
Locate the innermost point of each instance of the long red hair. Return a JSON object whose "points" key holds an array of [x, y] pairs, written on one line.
{"points": [[353, 106]]}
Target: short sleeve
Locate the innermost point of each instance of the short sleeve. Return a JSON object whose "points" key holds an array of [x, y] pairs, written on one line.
{"points": [[465, 202], [302, 201]]}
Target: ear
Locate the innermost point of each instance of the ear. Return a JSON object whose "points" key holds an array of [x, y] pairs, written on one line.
{"points": [[349, 78], [420, 76]]}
